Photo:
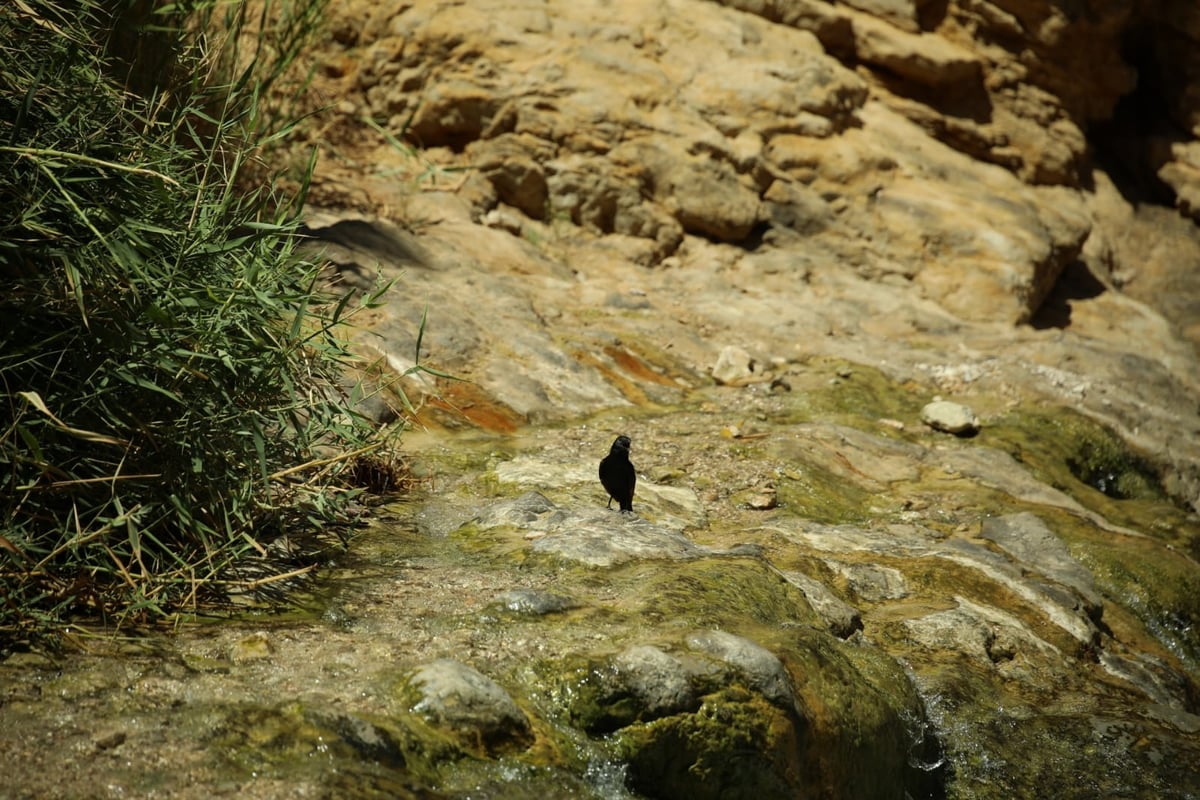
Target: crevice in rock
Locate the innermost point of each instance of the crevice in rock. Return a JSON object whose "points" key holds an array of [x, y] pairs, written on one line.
{"points": [[1075, 283], [1135, 143]]}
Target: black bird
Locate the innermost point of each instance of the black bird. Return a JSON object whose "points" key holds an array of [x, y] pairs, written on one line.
{"points": [[618, 475]]}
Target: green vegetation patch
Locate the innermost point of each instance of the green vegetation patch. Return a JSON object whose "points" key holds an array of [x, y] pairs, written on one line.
{"points": [[852, 394], [169, 368], [1160, 585]]}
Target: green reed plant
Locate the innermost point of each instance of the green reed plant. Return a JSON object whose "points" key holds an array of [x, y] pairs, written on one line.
{"points": [[169, 364]]}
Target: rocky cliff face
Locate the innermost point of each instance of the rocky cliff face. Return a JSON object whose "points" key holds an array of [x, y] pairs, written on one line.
{"points": [[911, 153]]}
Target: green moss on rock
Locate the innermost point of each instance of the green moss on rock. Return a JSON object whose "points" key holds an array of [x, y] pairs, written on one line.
{"points": [[810, 492], [1069, 450], [736, 745], [852, 394], [724, 592]]}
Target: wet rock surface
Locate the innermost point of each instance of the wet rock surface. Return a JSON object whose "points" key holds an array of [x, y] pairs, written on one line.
{"points": [[915, 629], [759, 239], [468, 704]]}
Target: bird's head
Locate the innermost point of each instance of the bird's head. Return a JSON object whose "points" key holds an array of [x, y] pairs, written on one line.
{"points": [[621, 444]]}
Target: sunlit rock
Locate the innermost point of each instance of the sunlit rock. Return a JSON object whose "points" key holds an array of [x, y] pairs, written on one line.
{"points": [[469, 705]]}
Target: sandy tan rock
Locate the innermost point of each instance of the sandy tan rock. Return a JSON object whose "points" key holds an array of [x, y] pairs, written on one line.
{"points": [[713, 177], [514, 165], [829, 23], [990, 247], [927, 59], [904, 14], [1182, 174]]}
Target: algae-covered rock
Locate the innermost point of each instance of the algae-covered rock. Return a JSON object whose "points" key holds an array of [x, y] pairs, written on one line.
{"points": [[639, 684], [734, 746], [289, 738], [1071, 450], [759, 667], [842, 618], [469, 705], [719, 715], [658, 679], [723, 593], [531, 602], [255, 647]]}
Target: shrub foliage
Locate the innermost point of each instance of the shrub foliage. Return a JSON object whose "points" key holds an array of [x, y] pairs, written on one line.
{"points": [[168, 368]]}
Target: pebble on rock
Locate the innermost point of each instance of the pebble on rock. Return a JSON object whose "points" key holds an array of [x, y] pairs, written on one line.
{"points": [[948, 417], [733, 366]]}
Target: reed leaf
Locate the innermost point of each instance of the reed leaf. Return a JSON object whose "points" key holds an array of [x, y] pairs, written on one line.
{"points": [[170, 368]]}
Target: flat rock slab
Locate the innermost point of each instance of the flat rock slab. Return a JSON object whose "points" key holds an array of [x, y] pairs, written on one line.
{"points": [[597, 537], [599, 542], [1029, 540]]}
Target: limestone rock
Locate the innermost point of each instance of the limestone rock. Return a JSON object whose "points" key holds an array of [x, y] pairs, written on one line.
{"points": [[985, 634], [775, 96], [534, 603], [1182, 173], [825, 20], [904, 14], [598, 537], [1030, 541], [530, 511], [709, 199], [843, 619], [469, 704], [617, 540], [926, 59], [255, 647], [595, 195], [950, 417], [874, 583], [789, 204], [705, 194], [658, 680], [673, 506], [454, 113], [733, 366], [758, 665], [514, 165]]}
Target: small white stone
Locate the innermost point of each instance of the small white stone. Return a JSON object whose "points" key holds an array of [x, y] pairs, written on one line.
{"points": [[733, 365], [942, 415]]}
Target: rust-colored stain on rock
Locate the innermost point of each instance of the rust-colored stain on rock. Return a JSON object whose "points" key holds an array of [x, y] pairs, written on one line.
{"points": [[633, 364], [467, 401]]}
